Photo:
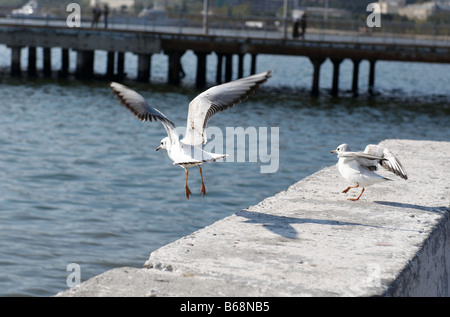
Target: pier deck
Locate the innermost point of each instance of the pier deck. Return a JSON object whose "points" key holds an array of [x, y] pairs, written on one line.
{"points": [[144, 41]]}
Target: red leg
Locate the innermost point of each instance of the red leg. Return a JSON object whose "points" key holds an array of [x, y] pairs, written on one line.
{"points": [[355, 199], [203, 190], [188, 191], [348, 188]]}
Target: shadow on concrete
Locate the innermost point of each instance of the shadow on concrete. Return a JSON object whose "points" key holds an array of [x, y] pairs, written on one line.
{"points": [[440, 210], [282, 225]]}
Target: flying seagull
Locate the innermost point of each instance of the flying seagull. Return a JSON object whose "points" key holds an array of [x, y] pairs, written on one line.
{"points": [[187, 152], [359, 167]]}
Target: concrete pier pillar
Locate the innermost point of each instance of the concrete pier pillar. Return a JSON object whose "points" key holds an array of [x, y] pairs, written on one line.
{"points": [[371, 76], [335, 85], [200, 80], [110, 64], [241, 65], [317, 62], [253, 65], [175, 71], [89, 64], [85, 64], [47, 54], [80, 63], [228, 67], [64, 62], [144, 67], [121, 64], [15, 61], [219, 68], [355, 76], [31, 61]]}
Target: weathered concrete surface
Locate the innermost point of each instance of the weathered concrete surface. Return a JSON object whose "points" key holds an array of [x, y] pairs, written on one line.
{"points": [[311, 241]]}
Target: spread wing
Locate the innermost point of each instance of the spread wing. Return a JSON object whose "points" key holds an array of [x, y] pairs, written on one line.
{"points": [[389, 161], [366, 160], [140, 108], [217, 99]]}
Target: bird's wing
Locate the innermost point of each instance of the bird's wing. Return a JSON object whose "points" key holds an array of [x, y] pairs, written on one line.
{"points": [[216, 99], [389, 161], [365, 160], [141, 109]]}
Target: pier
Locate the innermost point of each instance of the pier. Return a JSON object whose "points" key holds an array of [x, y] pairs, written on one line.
{"points": [[222, 43]]}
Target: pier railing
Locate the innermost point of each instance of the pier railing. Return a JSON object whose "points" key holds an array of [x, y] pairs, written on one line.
{"points": [[256, 27]]}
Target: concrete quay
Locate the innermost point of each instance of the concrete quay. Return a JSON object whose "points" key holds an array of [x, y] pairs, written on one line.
{"points": [[309, 240]]}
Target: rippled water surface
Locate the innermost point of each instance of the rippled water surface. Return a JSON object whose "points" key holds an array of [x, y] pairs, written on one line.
{"points": [[80, 181]]}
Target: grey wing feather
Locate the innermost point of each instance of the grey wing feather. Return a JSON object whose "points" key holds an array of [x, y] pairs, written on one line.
{"points": [[137, 104], [217, 99], [388, 161], [359, 156], [392, 164], [369, 161], [140, 108]]}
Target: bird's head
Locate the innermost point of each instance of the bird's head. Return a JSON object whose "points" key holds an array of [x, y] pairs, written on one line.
{"points": [[164, 144], [341, 148]]}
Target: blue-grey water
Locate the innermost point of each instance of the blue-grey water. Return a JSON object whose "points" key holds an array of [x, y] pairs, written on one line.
{"points": [[80, 181]]}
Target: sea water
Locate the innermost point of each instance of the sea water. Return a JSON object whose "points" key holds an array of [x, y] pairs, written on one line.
{"points": [[81, 182]]}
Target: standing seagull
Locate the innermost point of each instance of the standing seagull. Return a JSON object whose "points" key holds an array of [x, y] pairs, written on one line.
{"points": [[187, 152], [360, 167]]}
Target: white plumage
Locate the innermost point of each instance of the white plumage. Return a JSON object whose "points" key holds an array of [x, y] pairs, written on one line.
{"points": [[359, 167], [188, 152]]}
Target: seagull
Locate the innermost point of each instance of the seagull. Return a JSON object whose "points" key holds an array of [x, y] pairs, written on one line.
{"points": [[187, 152], [360, 167]]}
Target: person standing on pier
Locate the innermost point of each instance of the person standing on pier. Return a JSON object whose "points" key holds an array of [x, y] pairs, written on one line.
{"points": [[96, 13], [303, 24], [295, 28], [105, 13]]}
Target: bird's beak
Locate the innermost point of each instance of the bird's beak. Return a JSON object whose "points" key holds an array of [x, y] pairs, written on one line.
{"points": [[334, 151], [158, 148]]}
